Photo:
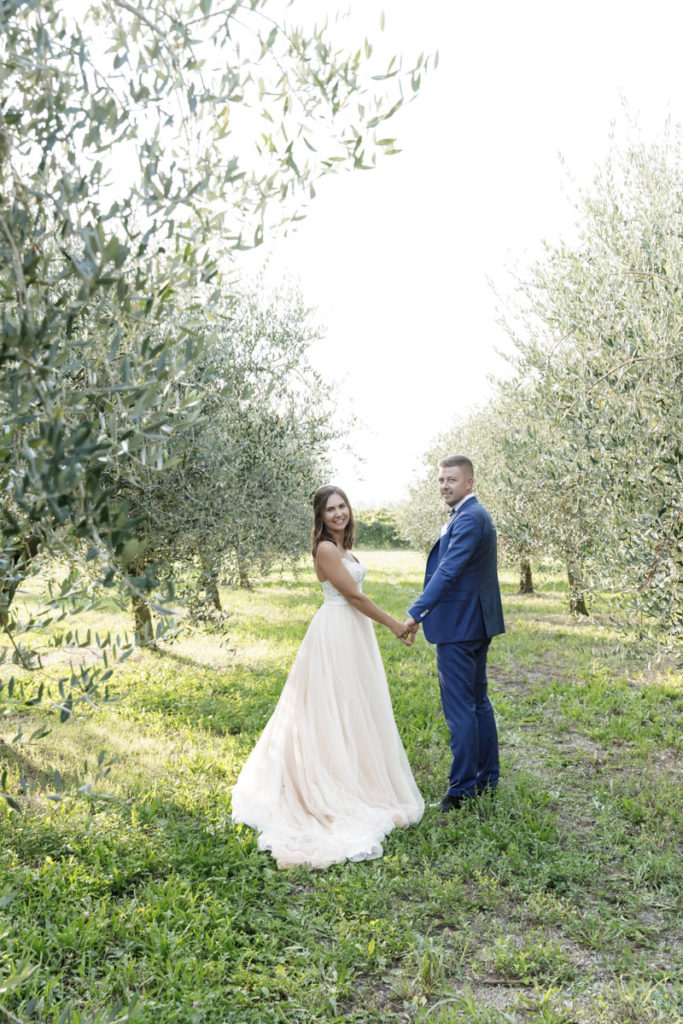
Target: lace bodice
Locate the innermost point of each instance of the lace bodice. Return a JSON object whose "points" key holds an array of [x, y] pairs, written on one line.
{"points": [[357, 570]]}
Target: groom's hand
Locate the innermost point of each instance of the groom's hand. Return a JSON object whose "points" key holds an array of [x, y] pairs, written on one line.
{"points": [[412, 628]]}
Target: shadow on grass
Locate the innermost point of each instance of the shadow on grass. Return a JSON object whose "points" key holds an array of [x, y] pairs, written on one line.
{"points": [[19, 762], [179, 689]]}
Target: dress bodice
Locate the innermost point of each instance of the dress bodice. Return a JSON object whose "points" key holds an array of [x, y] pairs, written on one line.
{"points": [[357, 571]]}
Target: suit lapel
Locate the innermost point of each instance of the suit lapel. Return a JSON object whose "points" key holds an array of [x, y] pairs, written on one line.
{"points": [[450, 526]]}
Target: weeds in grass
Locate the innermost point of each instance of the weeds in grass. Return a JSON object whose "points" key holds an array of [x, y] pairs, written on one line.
{"points": [[534, 959]]}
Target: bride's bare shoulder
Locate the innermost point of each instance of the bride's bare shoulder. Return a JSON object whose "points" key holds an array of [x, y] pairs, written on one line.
{"points": [[327, 546], [327, 555]]}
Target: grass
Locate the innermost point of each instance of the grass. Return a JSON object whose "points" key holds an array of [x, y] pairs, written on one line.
{"points": [[557, 904]]}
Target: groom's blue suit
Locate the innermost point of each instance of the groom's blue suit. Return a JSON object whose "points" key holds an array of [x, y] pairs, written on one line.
{"points": [[460, 610]]}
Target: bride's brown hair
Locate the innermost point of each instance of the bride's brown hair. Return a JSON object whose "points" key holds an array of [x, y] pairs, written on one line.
{"points": [[320, 531]]}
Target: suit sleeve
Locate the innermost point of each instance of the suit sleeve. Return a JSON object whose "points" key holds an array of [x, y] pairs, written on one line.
{"points": [[462, 545]]}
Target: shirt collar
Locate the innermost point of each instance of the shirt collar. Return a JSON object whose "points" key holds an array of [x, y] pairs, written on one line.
{"points": [[459, 504]]}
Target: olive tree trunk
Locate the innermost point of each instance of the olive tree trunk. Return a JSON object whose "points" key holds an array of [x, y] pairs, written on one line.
{"points": [[209, 582], [577, 600], [142, 613], [526, 583]]}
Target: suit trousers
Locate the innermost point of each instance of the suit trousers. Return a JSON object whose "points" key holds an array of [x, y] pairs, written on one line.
{"points": [[469, 716]]}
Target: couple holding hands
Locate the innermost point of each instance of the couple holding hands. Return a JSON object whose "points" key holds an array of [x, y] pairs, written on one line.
{"points": [[329, 777]]}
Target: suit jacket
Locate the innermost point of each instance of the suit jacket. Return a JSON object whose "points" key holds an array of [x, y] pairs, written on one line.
{"points": [[461, 596]]}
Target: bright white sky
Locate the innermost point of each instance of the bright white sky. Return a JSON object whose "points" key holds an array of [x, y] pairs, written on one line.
{"points": [[397, 260]]}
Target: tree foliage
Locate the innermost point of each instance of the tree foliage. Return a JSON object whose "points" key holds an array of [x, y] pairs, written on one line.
{"points": [[378, 528], [606, 362], [480, 438], [233, 496], [585, 460], [137, 149]]}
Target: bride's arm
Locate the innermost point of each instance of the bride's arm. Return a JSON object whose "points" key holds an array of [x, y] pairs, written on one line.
{"points": [[330, 565]]}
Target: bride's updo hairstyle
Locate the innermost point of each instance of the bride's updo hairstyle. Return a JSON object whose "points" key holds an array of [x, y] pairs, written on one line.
{"points": [[320, 531]]}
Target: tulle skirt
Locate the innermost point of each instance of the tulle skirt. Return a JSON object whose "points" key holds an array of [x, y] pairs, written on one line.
{"points": [[329, 778]]}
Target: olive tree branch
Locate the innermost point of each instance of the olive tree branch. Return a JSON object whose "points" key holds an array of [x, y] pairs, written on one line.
{"points": [[138, 14], [631, 361]]}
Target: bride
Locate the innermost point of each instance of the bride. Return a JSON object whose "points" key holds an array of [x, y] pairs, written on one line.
{"points": [[329, 777]]}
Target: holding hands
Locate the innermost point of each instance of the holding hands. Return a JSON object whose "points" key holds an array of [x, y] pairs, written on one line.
{"points": [[405, 631]]}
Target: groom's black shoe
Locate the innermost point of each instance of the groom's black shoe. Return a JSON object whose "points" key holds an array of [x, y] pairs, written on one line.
{"points": [[451, 803]]}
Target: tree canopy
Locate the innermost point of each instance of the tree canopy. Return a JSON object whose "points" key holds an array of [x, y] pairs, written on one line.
{"points": [[140, 145], [581, 452], [233, 496]]}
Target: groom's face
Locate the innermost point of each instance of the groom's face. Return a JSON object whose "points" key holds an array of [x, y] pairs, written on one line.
{"points": [[454, 484]]}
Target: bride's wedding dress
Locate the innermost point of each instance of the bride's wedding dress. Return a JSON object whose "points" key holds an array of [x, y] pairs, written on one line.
{"points": [[329, 777]]}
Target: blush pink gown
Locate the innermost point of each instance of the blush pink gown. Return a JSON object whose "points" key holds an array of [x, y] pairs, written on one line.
{"points": [[329, 778]]}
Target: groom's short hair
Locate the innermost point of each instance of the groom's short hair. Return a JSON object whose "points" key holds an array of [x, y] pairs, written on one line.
{"points": [[458, 460]]}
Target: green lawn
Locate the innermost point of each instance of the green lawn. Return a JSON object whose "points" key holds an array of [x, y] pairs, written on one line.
{"points": [[557, 903]]}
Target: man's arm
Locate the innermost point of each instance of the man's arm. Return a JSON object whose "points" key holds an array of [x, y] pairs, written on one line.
{"points": [[461, 547]]}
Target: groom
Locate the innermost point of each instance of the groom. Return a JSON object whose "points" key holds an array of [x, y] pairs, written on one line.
{"points": [[460, 610]]}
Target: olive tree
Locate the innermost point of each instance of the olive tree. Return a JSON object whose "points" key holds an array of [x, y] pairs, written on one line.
{"points": [[138, 147], [601, 355], [234, 496], [578, 452]]}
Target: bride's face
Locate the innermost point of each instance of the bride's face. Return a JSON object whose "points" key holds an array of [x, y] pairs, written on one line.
{"points": [[336, 513]]}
